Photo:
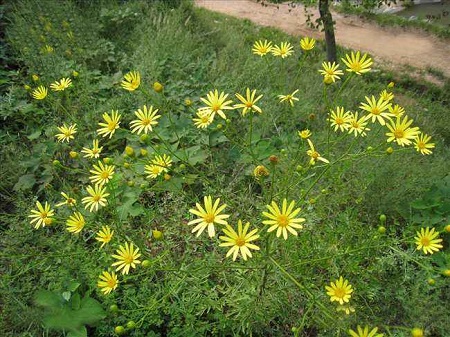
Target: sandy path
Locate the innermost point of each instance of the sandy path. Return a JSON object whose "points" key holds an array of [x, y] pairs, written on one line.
{"points": [[393, 46]]}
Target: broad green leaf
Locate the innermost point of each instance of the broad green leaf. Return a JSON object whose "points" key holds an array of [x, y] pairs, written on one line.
{"points": [[25, 182], [48, 299]]}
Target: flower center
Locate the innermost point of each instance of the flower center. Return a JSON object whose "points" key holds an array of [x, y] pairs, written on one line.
{"points": [[375, 111], [208, 218], [156, 170], [339, 120], [249, 104], [111, 283], [399, 134], [43, 215], [240, 242], [95, 151], [67, 133], [104, 175], [215, 107], [96, 198], [112, 126], [356, 66], [355, 125], [421, 145], [146, 121], [283, 220], [315, 154], [48, 221], [205, 119], [425, 241], [339, 292], [128, 259]]}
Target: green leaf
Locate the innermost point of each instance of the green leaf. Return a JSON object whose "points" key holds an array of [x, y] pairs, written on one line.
{"points": [[81, 332], [48, 299], [75, 301], [35, 135], [25, 182], [91, 311], [73, 286]]}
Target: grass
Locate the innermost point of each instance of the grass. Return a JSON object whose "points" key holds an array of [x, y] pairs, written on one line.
{"points": [[189, 288]]}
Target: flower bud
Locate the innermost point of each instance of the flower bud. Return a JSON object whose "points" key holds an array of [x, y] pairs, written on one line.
{"points": [[158, 87], [143, 152], [157, 235], [431, 281], [146, 263], [260, 171], [417, 332], [167, 177], [187, 102], [27, 87], [447, 228], [382, 219], [389, 150], [381, 229], [73, 154], [273, 159], [56, 163], [35, 77], [391, 85], [107, 160], [129, 151], [143, 138]]}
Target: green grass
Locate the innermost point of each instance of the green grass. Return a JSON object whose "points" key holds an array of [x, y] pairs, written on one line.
{"points": [[190, 288]]}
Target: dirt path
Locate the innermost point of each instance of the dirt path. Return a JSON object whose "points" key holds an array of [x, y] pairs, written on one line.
{"points": [[393, 46]]}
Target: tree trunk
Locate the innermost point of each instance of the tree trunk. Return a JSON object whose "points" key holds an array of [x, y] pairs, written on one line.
{"points": [[328, 26]]}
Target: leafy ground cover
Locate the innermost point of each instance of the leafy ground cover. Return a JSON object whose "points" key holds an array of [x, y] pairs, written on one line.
{"points": [[156, 173]]}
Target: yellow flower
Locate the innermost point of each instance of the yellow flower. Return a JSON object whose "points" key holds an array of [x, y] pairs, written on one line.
{"points": [[107, 282], [428, 240], [365, 332], [158, 165], [47, 49], [396, 110], [112, 123], [67, 132], [40, 92], [417, 332], [35, 77], [69, 201], [345, 308], [248, 102], [260, 171], [401, 132], [240, 241], [215, 104], [391, 85], [101, 173], [330, 72], [386, 95], [358, 126], [376, 109], [104, 235], [43, 216], [314, 154], [131, 81], [208, 216], [204, 120], [146, 118], [158, 87], [284, 50], [339, 291], [283, 220], [340, 119], [304, 134], [75, 223], [307, 43], [94, 152], [97, 196], [63, 84], [422, 144], [127, 258], [290, 98], [262, 48], [356, 63]]}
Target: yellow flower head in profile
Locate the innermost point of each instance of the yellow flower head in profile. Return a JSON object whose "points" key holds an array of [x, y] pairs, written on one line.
{"points": [[357, 64], [386, 95], [203, 120], [97, 197], [284, 50], [330, 72], [68, 201], [40, 92], [112, 123], [340, 119], [401, 132], [43, 215], [62, 85], [339, 291], [75, 223], [239, 241], [94, 152], [107, 282], [127, 258], [348, 309], [35, 77], [47, 49], [283, 220], [422, 145], [160, 164], [396, 110], [101, 173], [104, 235], [365, 332], [304, 134], [290, 98], [357, 126], [208, 216], [314, 154], [215, 104], [428, 241], [307, 43], [131, 81], [67, 132], [260, 171], [377, 109], [248, 102], [147, 117], [262, 48]]}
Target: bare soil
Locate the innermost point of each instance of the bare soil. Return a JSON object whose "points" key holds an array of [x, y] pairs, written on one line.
{"points": [[394, 47]]}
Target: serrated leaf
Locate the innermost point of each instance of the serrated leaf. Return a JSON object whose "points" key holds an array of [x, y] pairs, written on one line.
{"points": [[25, 182], [48, 299]]}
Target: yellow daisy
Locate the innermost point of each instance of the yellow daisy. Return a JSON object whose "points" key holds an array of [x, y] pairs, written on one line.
{"points": [[43, 216], [262, 48], [204, 120], [158, 165], [365, 332], [94, 152], [101, 173], [208, 216], [67, 132], [97, 196], [147, 117], [104, 235], [127, 258], [396, 110], [215, 104], [290, 98], [260, 171], [314, 154], [40, 92], [357, 64], [330, 72], [284, 219], [339, 291], [112, 123], [422, 145], [304, 134], [401, 132], [376, 109], [248, 102], [68, 201], [107, 282], [307, 43], [62, 85], [340, 119], [386, 95], [240, 241], [75, 223], [284, 50], [428, 241], [357, 126], [131, 81]]}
